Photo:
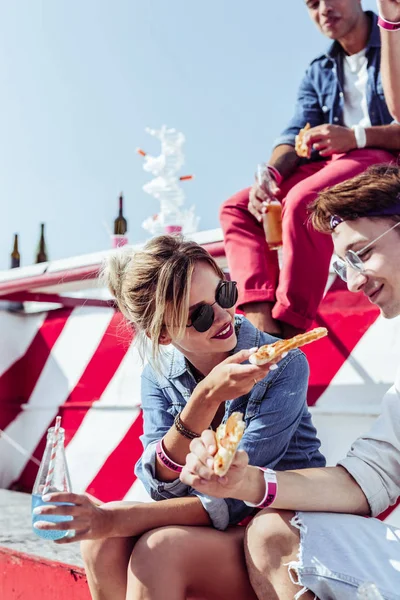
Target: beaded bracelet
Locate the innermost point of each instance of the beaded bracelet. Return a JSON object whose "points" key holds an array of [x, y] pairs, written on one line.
{"points": [[388, 25], [187, 433], [271, 489], [165, 459]]}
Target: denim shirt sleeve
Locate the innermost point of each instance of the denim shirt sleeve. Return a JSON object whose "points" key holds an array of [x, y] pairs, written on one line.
{"points": [[276, 407], [308, 110], [157, 420]]}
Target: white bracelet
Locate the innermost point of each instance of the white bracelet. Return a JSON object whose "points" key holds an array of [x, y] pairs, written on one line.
{"points": [[271, 488], [360, 135]]}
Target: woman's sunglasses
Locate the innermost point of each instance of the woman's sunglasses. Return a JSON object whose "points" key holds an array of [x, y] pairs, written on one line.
{"points": [[226, 296]]}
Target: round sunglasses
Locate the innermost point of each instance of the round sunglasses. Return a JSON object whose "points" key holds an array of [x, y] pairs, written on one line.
{"points": [[226, 296], [354, 260]]}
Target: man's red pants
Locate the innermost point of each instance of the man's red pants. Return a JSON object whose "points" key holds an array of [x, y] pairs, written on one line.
{"points": [[298, 287]]}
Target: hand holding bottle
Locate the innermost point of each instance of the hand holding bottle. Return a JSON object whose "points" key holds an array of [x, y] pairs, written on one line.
{"points": [[87, 518], [261, 194], [264, 198]]}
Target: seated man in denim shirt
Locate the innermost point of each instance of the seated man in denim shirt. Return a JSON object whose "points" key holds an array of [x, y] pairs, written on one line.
{"points": [[341, 97]]}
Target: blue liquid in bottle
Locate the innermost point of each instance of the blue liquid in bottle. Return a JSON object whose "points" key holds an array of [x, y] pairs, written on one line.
{"points": [[44, 533]]}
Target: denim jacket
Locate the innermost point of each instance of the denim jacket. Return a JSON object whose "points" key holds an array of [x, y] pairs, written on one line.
{"points": [[279, 431], [320, 97]]}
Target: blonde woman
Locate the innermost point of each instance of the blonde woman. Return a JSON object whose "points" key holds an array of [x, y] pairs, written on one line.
{"points": [[181, 305]]}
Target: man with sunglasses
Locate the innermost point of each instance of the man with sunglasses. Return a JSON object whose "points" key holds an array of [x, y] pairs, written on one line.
{"points": [[342, 99], [318, 552]]}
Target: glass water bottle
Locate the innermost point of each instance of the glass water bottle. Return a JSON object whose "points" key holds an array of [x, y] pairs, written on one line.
{"points": [[59, 482], [272, 219]]}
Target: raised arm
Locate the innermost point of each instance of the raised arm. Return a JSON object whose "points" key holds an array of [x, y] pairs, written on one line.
{"points": [[366, 482], [390, 56]]}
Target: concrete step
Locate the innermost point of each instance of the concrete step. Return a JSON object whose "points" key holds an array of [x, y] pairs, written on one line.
{"points": [[33, 568]]}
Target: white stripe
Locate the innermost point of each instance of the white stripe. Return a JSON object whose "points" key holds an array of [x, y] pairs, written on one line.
{"points": [[370, 370], [17, 333], [95, 439], [70, 355], [138, 493], [99, 435]]}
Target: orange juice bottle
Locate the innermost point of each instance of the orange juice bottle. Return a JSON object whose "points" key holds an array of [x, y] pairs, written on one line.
{"points": [[272, 219]]}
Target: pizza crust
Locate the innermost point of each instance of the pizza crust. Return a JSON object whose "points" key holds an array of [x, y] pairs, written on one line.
{"points": [[272, 351]]}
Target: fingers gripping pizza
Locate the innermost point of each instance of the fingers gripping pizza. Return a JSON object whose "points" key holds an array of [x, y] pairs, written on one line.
{"points": [[228, 436], [301, 148]]}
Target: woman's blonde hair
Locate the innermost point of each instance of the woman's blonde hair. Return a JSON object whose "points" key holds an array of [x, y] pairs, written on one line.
{"points": [[152, 286]]}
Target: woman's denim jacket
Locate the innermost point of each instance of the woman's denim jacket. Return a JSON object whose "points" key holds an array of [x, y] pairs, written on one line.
{"points": [[320, 97], [279, 433]]}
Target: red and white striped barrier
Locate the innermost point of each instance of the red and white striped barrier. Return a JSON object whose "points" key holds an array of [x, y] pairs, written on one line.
{"points": [[80, 363]]}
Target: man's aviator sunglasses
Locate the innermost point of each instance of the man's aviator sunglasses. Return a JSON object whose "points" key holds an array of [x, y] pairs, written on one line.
{"points": [[226, 296], [354, 259]]}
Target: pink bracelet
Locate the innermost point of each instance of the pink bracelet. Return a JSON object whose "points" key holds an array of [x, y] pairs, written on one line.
{"points": [[271, 489], [166, 461], [388, 25], [275, 174]]}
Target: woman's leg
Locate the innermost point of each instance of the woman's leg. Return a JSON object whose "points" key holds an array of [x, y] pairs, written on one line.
{"points": [[271, 543], [106, 563], [180, 563]]}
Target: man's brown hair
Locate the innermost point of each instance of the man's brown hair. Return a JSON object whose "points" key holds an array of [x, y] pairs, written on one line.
{"points": [[375, 190]]}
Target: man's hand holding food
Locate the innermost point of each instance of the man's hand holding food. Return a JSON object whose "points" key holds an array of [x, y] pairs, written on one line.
{"points": [[241, 481]]}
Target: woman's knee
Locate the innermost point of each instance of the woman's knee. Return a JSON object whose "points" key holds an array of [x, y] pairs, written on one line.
{"points": [[159, 547], [270, 536], [101, 554]]}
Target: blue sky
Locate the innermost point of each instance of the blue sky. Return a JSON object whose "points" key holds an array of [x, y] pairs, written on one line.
{"points": [[81, 80]]}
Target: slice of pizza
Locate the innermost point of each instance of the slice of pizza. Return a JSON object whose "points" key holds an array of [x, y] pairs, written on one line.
{"points": [[272, 351], [228, 436], [301, 147]]}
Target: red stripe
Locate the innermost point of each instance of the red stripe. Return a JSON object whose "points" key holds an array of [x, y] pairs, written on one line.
{"points": [[19, 381], [389, 510], [98, 373], [116, 476], [100, 370], [348, 317], [28, 576]]}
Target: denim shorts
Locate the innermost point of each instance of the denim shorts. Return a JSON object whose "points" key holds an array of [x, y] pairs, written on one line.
{"points": [[339, 553]]}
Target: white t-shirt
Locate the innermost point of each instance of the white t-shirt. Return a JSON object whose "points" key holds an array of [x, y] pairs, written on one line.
{"points": [[355, 110]]}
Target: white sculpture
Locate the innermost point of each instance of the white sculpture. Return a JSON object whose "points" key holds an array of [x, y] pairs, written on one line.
{"points": [[166, 187]]}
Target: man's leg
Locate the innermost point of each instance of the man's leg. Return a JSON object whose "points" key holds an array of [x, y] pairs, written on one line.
{"points": [[329, 554], [271, 543], [306, 252], [182, 563], [251, 263]]}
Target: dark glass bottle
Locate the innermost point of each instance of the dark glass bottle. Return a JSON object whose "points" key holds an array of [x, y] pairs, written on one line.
{"points": [[15, 255], [120, 223], [41, 255]]}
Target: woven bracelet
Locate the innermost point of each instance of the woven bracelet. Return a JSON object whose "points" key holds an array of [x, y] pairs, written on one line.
{"points": [[187, 433]]}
